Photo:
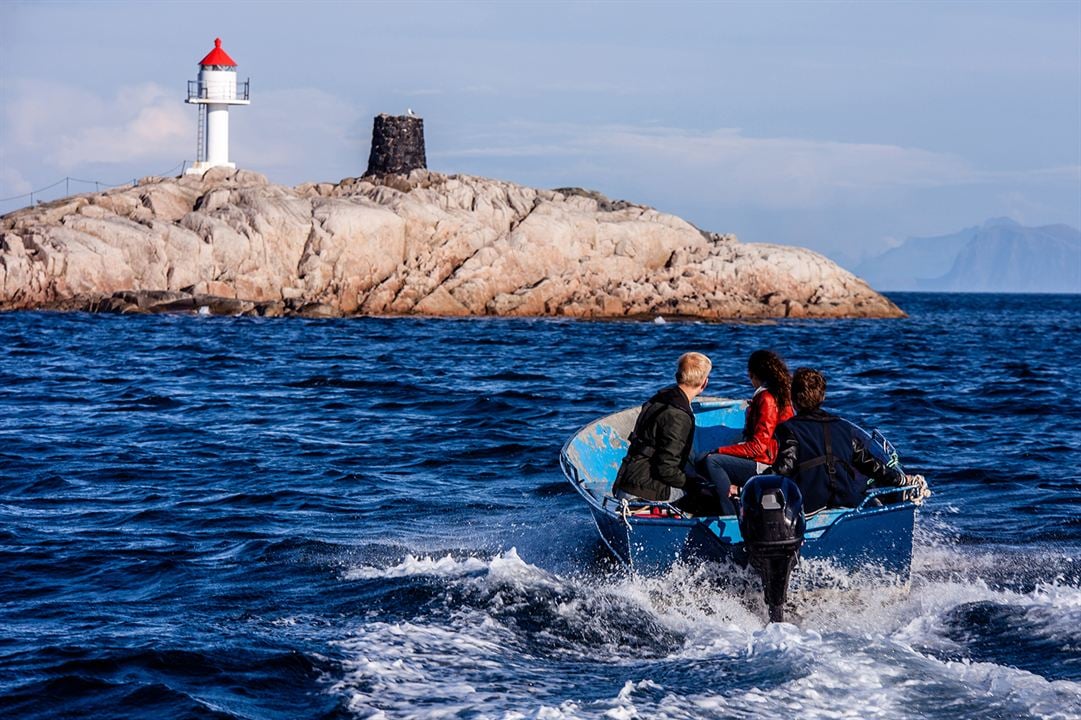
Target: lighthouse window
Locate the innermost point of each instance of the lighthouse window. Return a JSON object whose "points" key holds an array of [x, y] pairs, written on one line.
{"points": [[219, 67]]}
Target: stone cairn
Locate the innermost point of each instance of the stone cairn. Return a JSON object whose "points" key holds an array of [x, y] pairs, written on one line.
{"points": [[397, 145]]}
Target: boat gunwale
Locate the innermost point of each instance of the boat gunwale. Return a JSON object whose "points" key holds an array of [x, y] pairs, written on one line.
{"points": [[570, 471]]}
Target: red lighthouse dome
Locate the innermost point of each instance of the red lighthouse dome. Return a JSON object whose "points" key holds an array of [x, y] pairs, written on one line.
{"points": [[217, 56]]}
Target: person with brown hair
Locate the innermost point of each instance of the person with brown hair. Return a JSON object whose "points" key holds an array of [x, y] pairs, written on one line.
{"points": [[655, 467], [822, 454], [730, 466]]}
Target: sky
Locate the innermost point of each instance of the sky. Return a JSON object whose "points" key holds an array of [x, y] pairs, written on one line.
{"points": [[842, 127]]}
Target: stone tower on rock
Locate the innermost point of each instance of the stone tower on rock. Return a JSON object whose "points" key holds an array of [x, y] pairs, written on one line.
{"points": [[397, 145]]}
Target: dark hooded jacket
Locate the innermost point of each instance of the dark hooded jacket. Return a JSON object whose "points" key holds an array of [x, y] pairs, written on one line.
{"points": [[822, 454], [660, 446]]}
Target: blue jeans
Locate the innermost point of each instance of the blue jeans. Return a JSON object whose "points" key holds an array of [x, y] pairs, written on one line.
{"points": [[673, 495], [724, 471]]}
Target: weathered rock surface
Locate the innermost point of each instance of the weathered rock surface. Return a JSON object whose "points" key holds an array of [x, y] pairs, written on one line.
{"points": [[425, 243]]}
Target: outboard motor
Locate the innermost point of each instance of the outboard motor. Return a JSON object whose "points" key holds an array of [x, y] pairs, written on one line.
{"points": [[771, 522]]}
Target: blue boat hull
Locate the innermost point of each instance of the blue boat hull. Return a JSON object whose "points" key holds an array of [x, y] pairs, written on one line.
{"points": [[875, 538]]}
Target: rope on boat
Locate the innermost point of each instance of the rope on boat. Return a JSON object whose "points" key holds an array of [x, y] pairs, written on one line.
{"points": [[919, 490], [624, 511]]}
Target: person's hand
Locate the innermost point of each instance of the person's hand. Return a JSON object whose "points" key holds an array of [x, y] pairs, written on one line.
{"points": [[733, 491], [920, 492]]}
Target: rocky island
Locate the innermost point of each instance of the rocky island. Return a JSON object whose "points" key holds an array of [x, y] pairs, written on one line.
{"points": [[419, 243]]}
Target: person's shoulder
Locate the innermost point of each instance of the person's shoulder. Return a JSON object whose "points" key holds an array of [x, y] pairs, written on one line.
{"points": [[818, 416], [785, 426], [674, 398], [676, 410], [664, 395], [675, 416], [765, 399]]}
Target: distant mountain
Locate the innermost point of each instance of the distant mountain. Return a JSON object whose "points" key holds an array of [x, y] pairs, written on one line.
{"points": [[999, 256], [913, 262]]}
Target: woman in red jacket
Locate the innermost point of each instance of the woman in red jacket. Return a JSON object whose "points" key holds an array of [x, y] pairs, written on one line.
{"points": [[730, 466]]}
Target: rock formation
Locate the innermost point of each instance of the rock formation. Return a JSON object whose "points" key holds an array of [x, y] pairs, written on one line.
{"points": [[422, 243]]}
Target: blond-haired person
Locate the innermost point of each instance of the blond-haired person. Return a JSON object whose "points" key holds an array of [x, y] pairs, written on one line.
{"points": [[655, 467]]}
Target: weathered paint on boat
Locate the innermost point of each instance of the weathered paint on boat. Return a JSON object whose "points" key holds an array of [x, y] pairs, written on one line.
{"points": [[875, 536]]}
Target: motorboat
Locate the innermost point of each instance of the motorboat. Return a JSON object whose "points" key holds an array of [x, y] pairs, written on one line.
{"points": [[770, 531]]}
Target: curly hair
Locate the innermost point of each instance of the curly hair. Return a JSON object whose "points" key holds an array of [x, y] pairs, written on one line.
{"points": [[770, 369], [808, 389]]}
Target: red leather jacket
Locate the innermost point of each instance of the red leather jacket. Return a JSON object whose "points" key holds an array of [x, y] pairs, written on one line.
{"points": [[762, 419]]}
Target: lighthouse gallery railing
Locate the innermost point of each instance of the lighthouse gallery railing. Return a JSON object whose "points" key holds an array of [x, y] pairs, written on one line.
{"points": [[198, 91]]}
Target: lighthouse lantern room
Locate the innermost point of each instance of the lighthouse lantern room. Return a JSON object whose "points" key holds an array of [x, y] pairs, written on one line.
{"points": [[213, 93]]}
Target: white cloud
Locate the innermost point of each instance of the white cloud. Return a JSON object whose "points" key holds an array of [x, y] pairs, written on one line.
{"points": [[50, 130], [13, 181], [66, 127], [148, 124], [34, 112], [509, 151], [1049, 174], [299, 135], [728, 168], [294, 135], [787, 172], [732, 168]]}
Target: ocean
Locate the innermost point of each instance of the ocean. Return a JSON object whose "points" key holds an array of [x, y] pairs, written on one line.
{"points": [[210, 517]]}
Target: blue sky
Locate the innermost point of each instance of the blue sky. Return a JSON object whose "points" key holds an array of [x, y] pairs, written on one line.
{"points": [[844, 127]]}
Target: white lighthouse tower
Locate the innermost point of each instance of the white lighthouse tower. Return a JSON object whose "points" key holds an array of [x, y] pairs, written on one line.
{"points": [[214, 91]]}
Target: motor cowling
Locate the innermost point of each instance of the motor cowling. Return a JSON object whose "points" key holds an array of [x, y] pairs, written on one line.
{"points": [[772, 524]]}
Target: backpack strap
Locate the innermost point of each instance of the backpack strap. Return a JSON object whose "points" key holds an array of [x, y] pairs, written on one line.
{"points": [[831, 462]]}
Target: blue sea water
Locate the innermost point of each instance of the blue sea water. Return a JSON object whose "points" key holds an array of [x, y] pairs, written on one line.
{"points": [[245, 518]]}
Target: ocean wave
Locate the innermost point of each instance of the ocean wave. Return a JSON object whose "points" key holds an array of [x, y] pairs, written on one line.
{"points": [[383, 497], [874, 652], [446, 566]]}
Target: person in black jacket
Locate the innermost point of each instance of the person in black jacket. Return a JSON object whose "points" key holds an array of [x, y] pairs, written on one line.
{"points": [[655, 467], [822, 454]]}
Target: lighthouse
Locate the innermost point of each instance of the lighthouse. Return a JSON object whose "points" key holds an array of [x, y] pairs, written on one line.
{"points": [[213, 93]]}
